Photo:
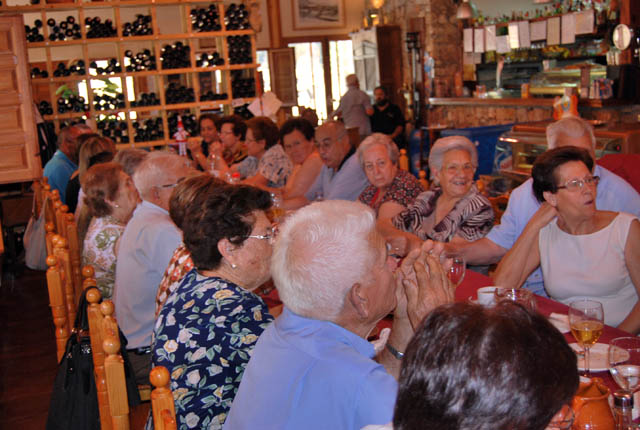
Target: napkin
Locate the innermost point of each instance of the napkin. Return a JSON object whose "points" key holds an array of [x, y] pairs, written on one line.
{"points": [[560, 321]]}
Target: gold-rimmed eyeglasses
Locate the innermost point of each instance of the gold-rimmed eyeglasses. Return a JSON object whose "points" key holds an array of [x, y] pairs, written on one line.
{"points": [[577, 184]]}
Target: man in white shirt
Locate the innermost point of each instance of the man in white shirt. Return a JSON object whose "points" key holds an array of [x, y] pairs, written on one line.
{"points": [[145, 248]]}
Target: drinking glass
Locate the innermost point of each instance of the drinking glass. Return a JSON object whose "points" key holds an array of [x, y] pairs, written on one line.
{"points": [[563, 420], [518, 295], [586, 319], [457, 270], [624, 362]]}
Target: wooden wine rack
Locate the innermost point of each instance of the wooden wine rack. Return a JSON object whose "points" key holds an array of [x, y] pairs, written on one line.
{"points": [[191, 38]]}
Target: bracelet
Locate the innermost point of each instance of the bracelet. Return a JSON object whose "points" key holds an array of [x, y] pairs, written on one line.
{"points": [[397, 354]]}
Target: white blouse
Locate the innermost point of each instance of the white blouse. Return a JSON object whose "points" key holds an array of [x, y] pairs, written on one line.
{"points": [[589, 266]]}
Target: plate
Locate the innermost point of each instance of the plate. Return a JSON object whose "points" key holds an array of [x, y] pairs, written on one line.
{"points": [[599, 361]]}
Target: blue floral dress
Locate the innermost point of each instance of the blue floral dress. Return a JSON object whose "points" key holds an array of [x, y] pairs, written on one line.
{"points": [[204, 335]]}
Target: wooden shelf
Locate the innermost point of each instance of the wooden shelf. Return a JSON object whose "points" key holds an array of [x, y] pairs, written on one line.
{"points": [[143, 81]]}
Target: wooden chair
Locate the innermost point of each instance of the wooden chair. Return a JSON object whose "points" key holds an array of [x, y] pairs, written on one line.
{"points": [[58, 304], [61, 251], [114, 370], [61, 218], [50, 197], [499, 204], [49, 236], [74, 254], [162, 403]]}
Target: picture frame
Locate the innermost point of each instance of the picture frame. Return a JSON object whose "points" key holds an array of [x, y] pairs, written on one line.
{"points": [[318, 14]]}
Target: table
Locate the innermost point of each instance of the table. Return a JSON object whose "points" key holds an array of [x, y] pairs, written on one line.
{"points": [[472, 281]]}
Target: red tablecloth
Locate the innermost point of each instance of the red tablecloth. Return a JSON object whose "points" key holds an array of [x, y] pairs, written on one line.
{"points": [[473, 281]]}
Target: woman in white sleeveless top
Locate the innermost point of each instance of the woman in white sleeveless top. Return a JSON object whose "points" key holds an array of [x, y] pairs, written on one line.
{"points": [[583, 252]]}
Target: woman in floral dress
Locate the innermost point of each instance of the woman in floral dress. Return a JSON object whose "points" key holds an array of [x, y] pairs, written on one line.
{"points": [[111, 198], [208, 326]]}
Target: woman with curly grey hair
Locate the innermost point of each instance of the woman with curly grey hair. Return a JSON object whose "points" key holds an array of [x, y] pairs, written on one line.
{"points": [[452, 210]]}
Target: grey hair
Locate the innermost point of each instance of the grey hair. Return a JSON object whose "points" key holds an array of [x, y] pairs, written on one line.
{"points": [[378, 139], [130, 159], [352, 80], [154, 169], [450, 143], [571, 126], [320, 252]]}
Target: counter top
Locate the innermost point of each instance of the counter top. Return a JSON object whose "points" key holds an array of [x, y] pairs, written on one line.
{"points": [[533, 102]]}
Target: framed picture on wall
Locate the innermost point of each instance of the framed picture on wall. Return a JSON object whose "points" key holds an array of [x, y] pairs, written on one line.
{"points": [[317, 14]]}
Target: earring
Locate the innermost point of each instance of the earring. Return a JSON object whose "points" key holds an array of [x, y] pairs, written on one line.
{"points": [[233, 265], [116, 206]]}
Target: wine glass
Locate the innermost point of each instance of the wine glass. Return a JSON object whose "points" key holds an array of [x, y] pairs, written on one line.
{"points": [[586, 319], [457, 270], [624, 362]]}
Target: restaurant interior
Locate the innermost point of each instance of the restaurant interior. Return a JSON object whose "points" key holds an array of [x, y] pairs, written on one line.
{"points": [[464, 103]]}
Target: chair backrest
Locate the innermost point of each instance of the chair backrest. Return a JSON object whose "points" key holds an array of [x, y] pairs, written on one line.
{"points": [[61, 218], [114, 369], [50, 197], [58, 304], [95, 317], [61, 251], [162, 403], [50, 229], [74, 254], [499, 204]]}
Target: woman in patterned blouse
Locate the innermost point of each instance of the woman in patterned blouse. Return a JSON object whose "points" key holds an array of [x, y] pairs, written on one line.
{"points": [[208, 326], [392, 189], [453, 210], [110, 197]]}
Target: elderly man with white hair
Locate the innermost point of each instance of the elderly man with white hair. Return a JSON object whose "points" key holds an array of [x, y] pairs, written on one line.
{"points": [[453, 210], [313, 367], [145, 248], [613, 194], [355, 108]]}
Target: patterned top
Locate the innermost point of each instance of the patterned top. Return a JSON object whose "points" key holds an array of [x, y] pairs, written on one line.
{"points": [[471, 218], [99, 250], [276, 166], [403, 190], [247, 167], [204, 336], [234, 157], [179, 265]]}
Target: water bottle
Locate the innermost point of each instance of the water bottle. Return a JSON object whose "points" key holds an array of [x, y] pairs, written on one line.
{"points": [[212, 165]]}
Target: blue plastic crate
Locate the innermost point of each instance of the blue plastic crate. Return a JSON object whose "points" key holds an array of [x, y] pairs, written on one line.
{"points": [[485, 139]]}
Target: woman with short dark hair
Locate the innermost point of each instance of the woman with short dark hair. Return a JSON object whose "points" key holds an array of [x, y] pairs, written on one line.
{"points": [[110, 198], [584, 253], [471, 367], [209, 324], [297, 137]]}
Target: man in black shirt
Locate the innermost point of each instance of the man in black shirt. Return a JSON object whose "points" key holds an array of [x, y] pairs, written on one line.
{"points": [[387, 117]]}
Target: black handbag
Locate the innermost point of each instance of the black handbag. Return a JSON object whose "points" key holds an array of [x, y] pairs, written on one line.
{"points": [[74, 400]]}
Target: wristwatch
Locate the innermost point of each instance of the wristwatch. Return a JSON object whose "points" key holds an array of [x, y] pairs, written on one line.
{"points": [[397, 354]]}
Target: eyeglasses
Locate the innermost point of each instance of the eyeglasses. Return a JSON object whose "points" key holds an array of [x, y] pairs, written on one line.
{"points": [[452, 169], [173, 185], [576, 184], [269, 236], [326, 143]]}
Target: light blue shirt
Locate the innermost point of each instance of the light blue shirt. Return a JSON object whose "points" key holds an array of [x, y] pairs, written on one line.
{"points": [[58, 171], [614, 194], [345, 184], [146, 246], [310, 374]]}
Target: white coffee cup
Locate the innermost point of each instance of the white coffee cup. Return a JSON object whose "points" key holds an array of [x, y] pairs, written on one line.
{"points": [[486, 295]]}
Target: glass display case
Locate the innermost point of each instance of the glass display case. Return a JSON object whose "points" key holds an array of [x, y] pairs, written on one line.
{"points": [[555, 80]]}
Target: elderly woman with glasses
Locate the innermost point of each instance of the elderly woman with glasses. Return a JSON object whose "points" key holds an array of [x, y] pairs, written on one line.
{"points": [[391, 189], [209, 324], [584, 253], [452, 210]]}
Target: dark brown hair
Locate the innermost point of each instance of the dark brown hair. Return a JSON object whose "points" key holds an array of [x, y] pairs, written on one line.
{"points": [[470, 367], [191, 192], [239, 126], [544, 168], [263, 128]]}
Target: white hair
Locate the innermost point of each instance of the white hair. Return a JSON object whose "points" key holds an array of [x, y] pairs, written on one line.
{"points": [[352, 80], [571, 126], [320, 252], [153, 170], [378, 139], [450, 143]]}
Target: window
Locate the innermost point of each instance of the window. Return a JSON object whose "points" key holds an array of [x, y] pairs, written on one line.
{"points": [[341, 60], [263, 61], [310, 77]]}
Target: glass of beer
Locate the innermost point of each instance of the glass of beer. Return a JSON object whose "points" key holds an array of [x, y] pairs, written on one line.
{"points": [[586, 319]]}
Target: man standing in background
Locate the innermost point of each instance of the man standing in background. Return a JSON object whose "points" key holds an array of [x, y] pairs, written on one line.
{"points": [[354, 108], [387, 117]]}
